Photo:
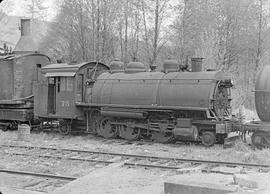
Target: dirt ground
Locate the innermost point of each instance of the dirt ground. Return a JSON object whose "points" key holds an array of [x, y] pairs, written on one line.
{"points": [[152, 179], [118, 180], [239, 153]]}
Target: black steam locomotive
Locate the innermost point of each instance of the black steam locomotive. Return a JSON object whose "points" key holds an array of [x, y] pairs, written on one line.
{"points": [[135, 103], [131, 103]]}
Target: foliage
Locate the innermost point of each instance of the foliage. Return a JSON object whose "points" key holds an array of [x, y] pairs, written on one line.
{"points": [[36, 9], [230, 35]]}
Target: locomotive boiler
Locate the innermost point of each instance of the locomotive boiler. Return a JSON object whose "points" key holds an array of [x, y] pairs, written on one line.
{"points": [[173, 104]]}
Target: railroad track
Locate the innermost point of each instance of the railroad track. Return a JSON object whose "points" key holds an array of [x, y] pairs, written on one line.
{"points": [[107, 158], [41, 182], [35, 174]]}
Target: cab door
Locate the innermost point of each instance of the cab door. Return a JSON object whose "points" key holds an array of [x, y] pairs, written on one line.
{"points": [[51, 95], [65, 107]]}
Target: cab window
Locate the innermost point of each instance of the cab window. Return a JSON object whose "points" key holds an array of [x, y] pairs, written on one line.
{"points": [[66, 84]]}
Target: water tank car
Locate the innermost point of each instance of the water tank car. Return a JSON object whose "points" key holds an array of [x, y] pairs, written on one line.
{"points": [[262, 94], [261, 129]]}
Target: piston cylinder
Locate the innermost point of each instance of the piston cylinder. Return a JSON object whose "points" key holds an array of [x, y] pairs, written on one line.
{"points": [[191, 132]]}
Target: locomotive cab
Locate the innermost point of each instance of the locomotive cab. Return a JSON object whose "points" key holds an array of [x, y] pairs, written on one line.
{"points": [[65, 86]]}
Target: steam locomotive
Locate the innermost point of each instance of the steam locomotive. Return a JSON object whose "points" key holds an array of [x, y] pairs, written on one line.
{"points": [[129, 102], [134, 103]]}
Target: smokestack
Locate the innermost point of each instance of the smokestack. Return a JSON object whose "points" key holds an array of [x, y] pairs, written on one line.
{"points": [[196, 64], [26, 43], [25, 27]]}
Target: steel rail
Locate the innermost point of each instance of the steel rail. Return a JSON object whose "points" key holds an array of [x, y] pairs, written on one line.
{"points": [[104, 161], [68, 178], [167, 79], [183, 160], [67, 158]]}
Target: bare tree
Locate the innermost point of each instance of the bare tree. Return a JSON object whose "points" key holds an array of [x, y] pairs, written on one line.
{"points": [[126, 32], [154, 45], [146, 37], [156, 33], [231, 35], [259, 40], [135, 30], [37, 9]]}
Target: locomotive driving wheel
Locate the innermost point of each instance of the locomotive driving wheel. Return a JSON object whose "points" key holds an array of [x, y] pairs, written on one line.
{"points": [[129, 133], [161, 122], [106, 129], [161, 137]]}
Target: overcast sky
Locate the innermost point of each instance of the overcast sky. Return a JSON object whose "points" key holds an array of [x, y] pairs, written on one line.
{"points": [[18, 7]]}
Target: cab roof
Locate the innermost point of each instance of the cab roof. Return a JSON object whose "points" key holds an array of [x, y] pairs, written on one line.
{"points": [[65, 69]]}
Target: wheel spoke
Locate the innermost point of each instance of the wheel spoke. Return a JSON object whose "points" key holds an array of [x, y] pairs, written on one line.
{"points": [[106, 129]]}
